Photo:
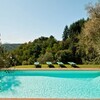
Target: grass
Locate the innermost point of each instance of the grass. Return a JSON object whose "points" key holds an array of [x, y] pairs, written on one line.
{"points": [[89, 66], [57, 66]]}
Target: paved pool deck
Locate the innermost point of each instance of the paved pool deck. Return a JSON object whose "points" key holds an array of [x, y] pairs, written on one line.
{"points": [[51, 69]]}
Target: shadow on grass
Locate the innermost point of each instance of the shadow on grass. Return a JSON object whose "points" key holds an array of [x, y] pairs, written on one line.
{"points": [[38, 66], [75, 66], [63, 66], [51, 66]]}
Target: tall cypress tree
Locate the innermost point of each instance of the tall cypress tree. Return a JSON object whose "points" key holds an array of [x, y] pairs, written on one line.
{"points": [[65, 33]]}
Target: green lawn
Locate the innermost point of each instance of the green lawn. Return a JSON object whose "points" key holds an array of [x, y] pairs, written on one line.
{"points": [[57, 66], [89, 66]]}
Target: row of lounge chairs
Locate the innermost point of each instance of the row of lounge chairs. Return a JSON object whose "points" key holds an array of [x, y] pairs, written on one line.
{"points": [[50, 64]]}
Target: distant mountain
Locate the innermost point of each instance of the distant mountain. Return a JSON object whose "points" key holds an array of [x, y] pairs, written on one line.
{"points": [[9, 47]]}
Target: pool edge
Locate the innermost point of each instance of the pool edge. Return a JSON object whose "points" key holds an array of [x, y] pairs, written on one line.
{"points": [[51, 69], [46, 99]]}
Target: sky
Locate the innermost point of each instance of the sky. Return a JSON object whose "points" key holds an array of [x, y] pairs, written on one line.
{"points": [[25, 20]]}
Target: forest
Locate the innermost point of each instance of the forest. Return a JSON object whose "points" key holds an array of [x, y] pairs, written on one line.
{"points": [[9, 46], [80, 44]]}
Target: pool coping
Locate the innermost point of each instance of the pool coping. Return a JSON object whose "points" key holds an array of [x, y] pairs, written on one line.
{"points": [[45, 99], [93, 69]]}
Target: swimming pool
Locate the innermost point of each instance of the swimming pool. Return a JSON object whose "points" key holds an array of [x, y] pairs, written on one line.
{"points": [[50, 84]]}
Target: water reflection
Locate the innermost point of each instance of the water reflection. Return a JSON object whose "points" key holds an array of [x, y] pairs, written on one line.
{"points": [[8, 83]]}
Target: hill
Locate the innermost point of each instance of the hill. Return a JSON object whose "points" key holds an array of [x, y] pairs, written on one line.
{"points": [[10, 47]]}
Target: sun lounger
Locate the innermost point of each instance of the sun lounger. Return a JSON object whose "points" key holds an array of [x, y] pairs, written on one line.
{"points": [[50, 64], [37, 64], [72, 63], [60, 63]]}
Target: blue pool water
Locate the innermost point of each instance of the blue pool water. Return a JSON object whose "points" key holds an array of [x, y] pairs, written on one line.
{"points": [[50, 84]]}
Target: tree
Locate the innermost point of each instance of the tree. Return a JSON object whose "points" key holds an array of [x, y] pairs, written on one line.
{"points": [[65, 33], [51, 41], [93, 10], [64, 56], [90, 37], [2, 60], [47, 57], [76, 27]]}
